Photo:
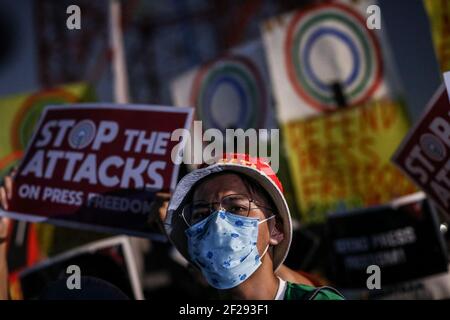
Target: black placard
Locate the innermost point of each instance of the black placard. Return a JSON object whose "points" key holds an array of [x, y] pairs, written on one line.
{"points": [[402, 238]]}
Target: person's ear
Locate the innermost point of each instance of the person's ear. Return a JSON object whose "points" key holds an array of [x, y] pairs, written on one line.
{"points": [[276, 236]]}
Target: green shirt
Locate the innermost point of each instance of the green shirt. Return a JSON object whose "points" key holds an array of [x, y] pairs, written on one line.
{"points": [[303, 292]]}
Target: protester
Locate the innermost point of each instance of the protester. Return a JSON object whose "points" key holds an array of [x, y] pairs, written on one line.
{"points": [[231, 220], [161, 205]]}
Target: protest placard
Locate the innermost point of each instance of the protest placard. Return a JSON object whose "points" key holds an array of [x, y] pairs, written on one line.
{"points": [[342, 160], [434, 287], [439, 17], [322, 57], [111, 260], [423, 154], [99, 166], [401, 238]]}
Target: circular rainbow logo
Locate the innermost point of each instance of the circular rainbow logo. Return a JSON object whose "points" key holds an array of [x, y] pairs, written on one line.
{"points": [[330, 44], [230, 93], [30, 111], [25, 120]]}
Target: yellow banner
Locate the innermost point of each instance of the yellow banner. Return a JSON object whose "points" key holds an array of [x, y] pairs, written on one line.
{"points": [[19, 113], [342, 160], [439, 17]]}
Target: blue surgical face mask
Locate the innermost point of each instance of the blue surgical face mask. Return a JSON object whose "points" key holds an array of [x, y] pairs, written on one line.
{"points": [[224, 247]]}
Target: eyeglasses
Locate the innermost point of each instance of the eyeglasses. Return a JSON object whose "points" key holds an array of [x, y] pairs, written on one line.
{"points": [[237, 204]]}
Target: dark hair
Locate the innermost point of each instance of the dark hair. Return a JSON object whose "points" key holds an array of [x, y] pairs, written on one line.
{"points": [[254, 187]]}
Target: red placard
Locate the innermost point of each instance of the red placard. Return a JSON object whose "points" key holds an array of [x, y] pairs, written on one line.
{"points": [[424, 155], [99, 166]]}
